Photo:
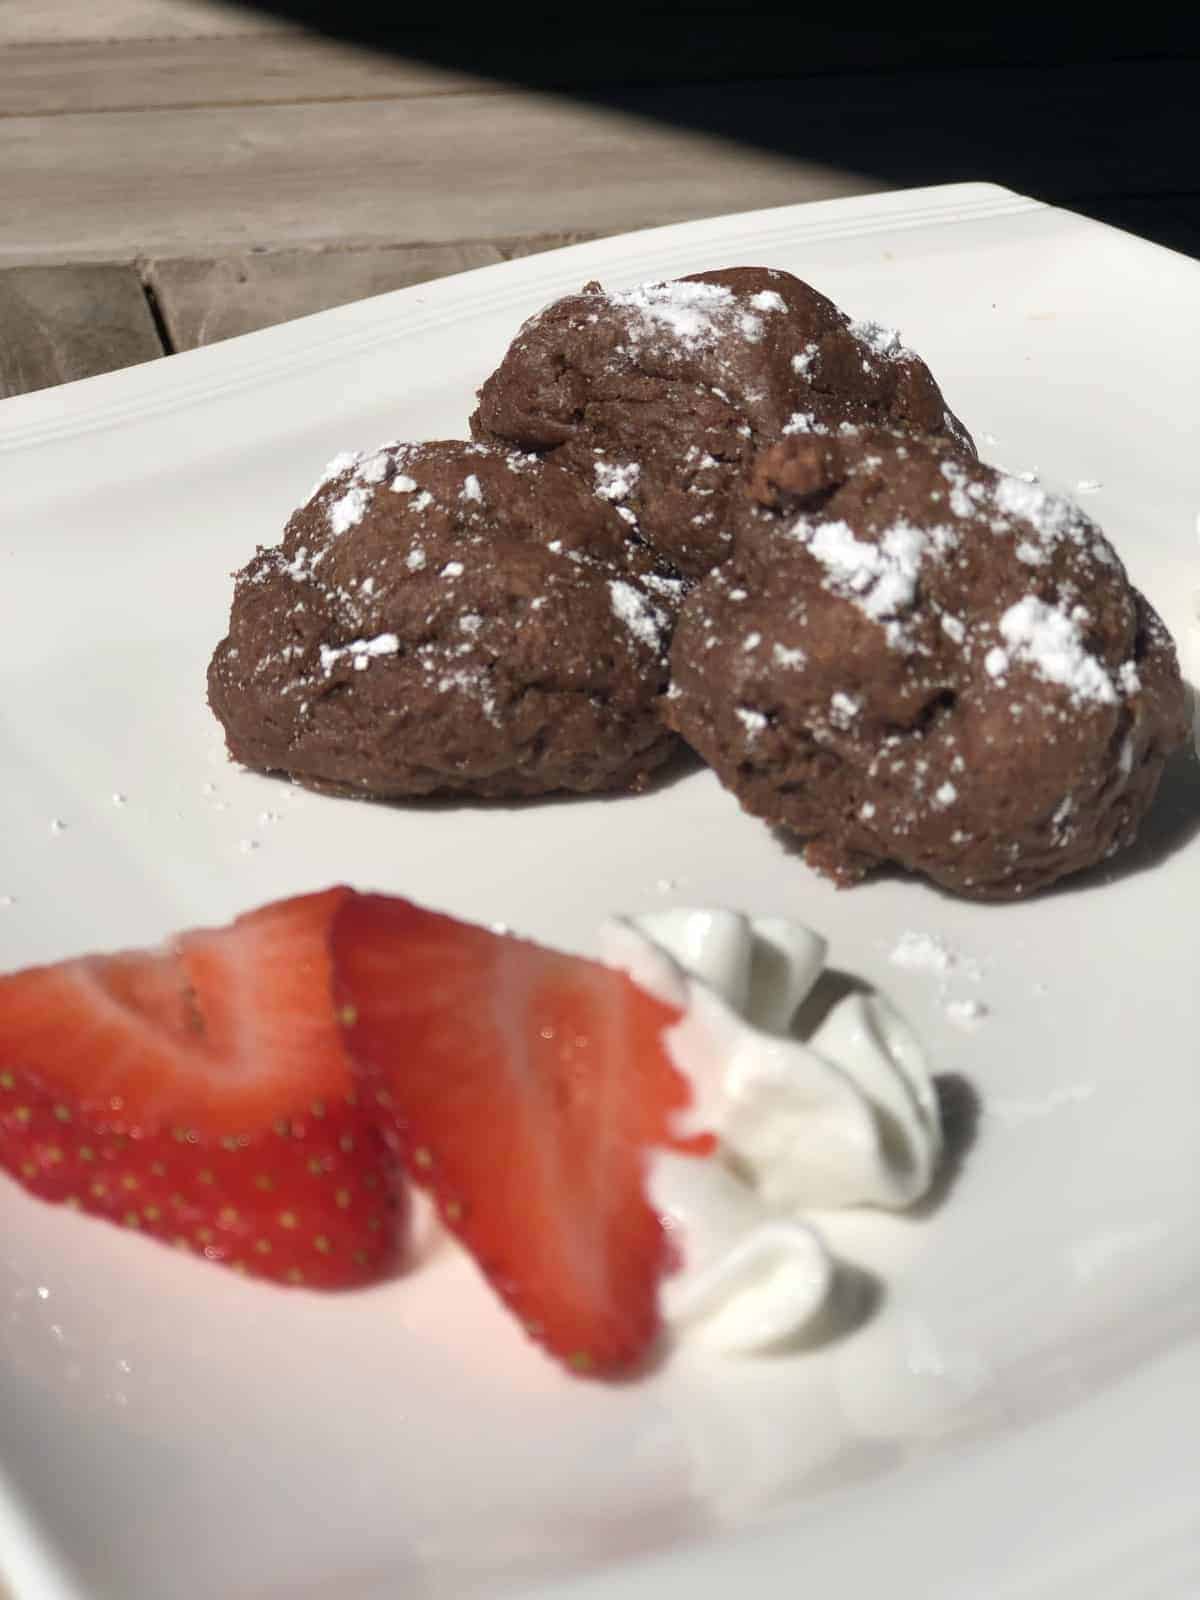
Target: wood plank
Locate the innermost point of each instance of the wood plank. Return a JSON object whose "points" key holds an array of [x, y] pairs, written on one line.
{"points": [[202, 301], [440, 169], [231, 66], [513, 248], [430, 171], [47, 21], [139, 74], [584, 48], [62, 323]]}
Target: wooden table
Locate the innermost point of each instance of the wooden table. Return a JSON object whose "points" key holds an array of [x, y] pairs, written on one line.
{"points": [[177, 171]]}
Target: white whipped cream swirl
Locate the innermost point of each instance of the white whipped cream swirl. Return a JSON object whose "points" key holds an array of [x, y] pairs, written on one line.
{"points": [[848, 1116]]}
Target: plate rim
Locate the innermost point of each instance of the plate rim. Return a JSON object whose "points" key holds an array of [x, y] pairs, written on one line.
{"points": [[217, 371]]}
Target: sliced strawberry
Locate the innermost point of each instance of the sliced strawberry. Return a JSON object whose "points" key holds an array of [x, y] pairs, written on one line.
{"points": [[202, 1094], [524, 1089]]}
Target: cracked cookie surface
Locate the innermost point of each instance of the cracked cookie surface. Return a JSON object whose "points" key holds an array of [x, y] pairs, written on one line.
{"points": [[659, 397], [449, 618], [914, 658]]}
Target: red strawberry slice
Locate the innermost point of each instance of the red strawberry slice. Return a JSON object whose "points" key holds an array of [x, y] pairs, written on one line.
{"points": [[523, 1088], [201, 1093]]}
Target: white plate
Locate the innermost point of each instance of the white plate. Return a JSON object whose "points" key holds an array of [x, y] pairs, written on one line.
{"points": [[1018, 1417]]}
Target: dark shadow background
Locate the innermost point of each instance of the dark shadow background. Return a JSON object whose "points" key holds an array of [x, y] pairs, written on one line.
{"points": [[1095, 116]]}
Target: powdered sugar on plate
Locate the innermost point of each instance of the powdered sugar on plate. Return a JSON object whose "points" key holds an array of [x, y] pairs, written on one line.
{"points": [[923, 952], [930, 956], [968, 1014]]}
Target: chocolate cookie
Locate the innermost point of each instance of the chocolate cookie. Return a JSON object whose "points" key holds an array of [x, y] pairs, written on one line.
{"points": [[448, 617], [658, 397], [914, 658]]}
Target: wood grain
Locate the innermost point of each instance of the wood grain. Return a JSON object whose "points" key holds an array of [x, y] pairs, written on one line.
{"points": [[510, 249], [426, 171], [672, 45], [61, 323], [203, 300], [441, 168], [254, 171], [96, 21], [238, 57], [145, 74]]}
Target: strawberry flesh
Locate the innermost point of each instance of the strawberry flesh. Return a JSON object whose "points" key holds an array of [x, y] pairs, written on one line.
{"points": [[524, 1088], [201, 1094]]}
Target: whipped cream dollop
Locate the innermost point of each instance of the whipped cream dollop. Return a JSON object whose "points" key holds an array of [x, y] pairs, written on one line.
{"points": [[846, 1116]]}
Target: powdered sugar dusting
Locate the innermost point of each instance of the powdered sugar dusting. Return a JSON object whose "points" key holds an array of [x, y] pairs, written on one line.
{"points": [[1128, 680], [925, 952], [369, 467], [881, 578], [348, 510], [639, 614], [342, 462], [615, 480], [375, 468], [360, 651], [297, 568], [1049, 518], [474, 682], [1052, 515], [803, 421], [881, 341], [786, 657], [1050, 640], [843, 708], [802, 363], [671, 589], [693, 314], [967, 1014], [922, 952]]}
